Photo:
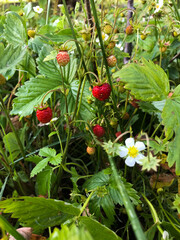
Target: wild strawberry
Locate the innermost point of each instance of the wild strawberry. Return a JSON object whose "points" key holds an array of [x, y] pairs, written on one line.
{"points": [[111, 61], [91, 150], [44, 114], [162, 49], [114, 122], [2, 79], [143, 36], [170, 94], [122, 14], [102, 92], [63, 58], [108, 29], [86, 35], [111, 45], [134, 103], [129, 30], [31, 33], [98, 131], [175, 34]]}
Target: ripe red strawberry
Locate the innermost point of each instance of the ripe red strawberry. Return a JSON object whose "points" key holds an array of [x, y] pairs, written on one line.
{"points": [[44, 115], [98, 131], [63, 58], [102, 92], [129, 30], [111, 61]]}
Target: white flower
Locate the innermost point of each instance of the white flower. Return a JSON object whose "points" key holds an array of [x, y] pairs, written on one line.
{"points": [[131, 152], [165, 235], [104, 37], [38, 9], [60, 5], [158, 6]]}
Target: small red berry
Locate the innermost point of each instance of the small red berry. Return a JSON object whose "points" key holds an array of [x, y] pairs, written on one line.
{"points": [[102, 92], [63, 58], [111, 61], [44, 115], [98, 131], [134, 103]]}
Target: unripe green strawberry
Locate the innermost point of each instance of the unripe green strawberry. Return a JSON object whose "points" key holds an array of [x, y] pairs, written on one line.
{"points": [[143, 36], [129, 30], [31, 33], [111, 60], [86, 34], [175, 34], [63, 58], [122, 14], [108, 29], [2, 79], [114, 122]]}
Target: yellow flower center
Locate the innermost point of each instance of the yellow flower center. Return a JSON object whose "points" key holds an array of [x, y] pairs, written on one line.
{"points": [[157, 6], [132, 152]]}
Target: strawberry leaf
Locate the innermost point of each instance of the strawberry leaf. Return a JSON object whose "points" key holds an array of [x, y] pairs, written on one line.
{"points": [[39, 213], [15, 32], [39, 167], [147, 82]]}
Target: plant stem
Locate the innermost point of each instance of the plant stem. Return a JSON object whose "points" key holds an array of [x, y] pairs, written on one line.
{"points": [[127, 203], [48, 9]]}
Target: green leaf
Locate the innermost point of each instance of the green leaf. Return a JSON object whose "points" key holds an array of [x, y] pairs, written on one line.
{"points": [[49, 69], [147, 82], [36, 44], [97, 230], [15, 32], [47, 152], [39, 213], [34, 158], [43, 181], [31, 94], [86, 111], [71, 233], [174, 151], [171, 116], [5, 225], [51, 56], [10, 57], [29, 13], [39, 167]]}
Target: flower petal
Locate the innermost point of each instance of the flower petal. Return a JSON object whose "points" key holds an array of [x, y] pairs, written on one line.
{"points": [[138, 158], [140, 146], [123, 151], [129, 142], [130, 162]]}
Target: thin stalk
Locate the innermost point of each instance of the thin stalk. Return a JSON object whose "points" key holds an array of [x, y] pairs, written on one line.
{"points": [[74, 35], [127, 203], [86, 203], [12, 127], [47, 14]]}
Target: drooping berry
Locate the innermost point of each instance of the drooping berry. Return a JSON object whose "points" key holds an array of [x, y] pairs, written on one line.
{"points": [[98, 131], [118, 134], [111, 60], [91, 150], [129, 30], [63, 58], [102, 92], [31, 33], [44, 115]]}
